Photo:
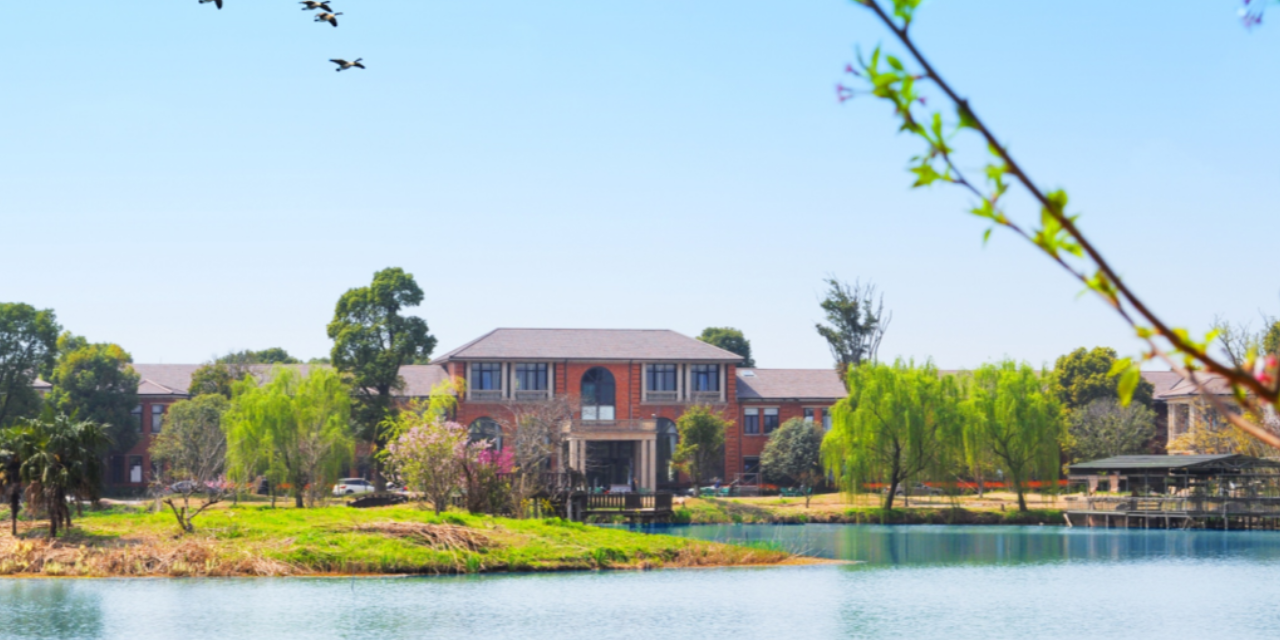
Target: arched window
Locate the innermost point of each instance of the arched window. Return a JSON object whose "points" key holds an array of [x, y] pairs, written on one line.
{"points": [[597, 394], [488, 430], [668, 438]]}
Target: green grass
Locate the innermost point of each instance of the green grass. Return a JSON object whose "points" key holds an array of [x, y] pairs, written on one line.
{"points": [[258, 540]]}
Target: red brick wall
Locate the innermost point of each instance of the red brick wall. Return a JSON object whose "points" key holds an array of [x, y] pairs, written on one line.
{"points": [[739, 445]]}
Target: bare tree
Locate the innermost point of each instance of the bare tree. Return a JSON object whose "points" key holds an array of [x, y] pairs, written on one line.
{"points": [[856, 322], [192, 456], [536, 431], [1239, 340]]}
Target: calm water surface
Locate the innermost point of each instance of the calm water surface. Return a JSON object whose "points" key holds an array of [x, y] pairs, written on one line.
{"points": [[913, 582]]}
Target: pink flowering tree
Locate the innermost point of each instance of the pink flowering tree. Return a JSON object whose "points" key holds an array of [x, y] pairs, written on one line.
{"points": [[432, 456]]}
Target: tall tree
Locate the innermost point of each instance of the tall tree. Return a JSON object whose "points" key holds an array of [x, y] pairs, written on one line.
{"points": [[193, 451], [62, 462], [1083, 376], [730, 340], [28, 348], [96, 382], [701, 442], [856, 323], [14, 445], [1104, 428], [794, 454], [371, 341], [295, 425], [1015, 414], [900, 422]]}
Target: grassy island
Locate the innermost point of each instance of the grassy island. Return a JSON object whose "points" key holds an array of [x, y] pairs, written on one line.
{"points": [[255, 540]]}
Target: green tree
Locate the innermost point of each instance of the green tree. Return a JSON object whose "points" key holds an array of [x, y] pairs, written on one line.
{"points": [[900, 422], [1105, 428], [215, 378], [62, 460], [192, 448], [730, 340], [1015, 415], [371, 341], [701, 442], [1083, 376], [272, 355], [96, 382], [13, 446], [1271, 342], [292, 427], [794, 454], [28, 348], [856, 323]]}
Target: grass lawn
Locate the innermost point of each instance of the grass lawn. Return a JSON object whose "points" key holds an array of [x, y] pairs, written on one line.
{"points": [[992, 508], [250, 540]]}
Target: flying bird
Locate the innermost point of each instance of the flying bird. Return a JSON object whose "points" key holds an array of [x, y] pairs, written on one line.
{"points": [[331, 18], [313, 5], [217, 2], [343, 65]]}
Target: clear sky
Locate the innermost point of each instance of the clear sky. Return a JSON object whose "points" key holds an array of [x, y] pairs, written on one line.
{"points": [[186, 181]]}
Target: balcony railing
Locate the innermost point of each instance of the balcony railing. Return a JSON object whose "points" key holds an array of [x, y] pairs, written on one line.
{"points": [[531, 395], [486, 395], [662, 396], [1208, 505], [629, 501], [705, 397]]}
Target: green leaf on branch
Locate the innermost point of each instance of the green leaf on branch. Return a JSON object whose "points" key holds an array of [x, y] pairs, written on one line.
{"points": [[925, 175], [967, 121], [1130, 375]]}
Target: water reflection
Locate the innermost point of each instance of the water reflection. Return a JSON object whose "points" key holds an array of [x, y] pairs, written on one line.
{"points": [[48, 609], [879, 545]]}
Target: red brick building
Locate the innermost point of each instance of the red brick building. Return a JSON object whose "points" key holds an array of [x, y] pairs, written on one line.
{"points": [[626, 389]]}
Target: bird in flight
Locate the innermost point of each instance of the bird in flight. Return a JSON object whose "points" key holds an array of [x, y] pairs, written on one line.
{"points": [[343, 65], [313, 5], [331, 18], [217, 2]]}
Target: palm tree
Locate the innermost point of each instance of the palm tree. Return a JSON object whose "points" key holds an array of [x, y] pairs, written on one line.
{"points": [[63, 459], [13, 447]]}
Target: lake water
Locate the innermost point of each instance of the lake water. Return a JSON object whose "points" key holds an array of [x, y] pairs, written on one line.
{"points": [[913, 582]]}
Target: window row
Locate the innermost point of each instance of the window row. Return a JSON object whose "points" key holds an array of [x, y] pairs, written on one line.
{"points": [[753, 425], [525, 376], [157, 417]]}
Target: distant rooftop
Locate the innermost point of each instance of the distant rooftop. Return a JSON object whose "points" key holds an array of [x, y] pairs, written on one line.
{"points": [[777, 384], [1171, 462], [588, 344], [175, 379]]}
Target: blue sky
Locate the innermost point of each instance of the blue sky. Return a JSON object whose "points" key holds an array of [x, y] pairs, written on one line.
{"points": [[186, 181]]}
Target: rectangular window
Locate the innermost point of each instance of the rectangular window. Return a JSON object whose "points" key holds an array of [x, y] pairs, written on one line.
{"points": [[751, 464], [136, 416], [117, 469], [662, 377], [157, 417], [751, 422], [706, 377], [135, 469], [486, 376], [770, 420], [826, 420], [808, 415], [531, 376]]}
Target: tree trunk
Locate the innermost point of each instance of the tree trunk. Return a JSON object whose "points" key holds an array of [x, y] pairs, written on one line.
{"points": [[297, 497], [888, 497], [15, 501]]}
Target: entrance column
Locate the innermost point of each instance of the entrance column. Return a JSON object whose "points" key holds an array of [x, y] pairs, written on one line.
{"points": [[641, 463], [652, 468]]}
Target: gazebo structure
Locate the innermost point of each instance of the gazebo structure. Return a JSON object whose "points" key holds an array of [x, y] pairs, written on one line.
{"points": [[1228, 491]]}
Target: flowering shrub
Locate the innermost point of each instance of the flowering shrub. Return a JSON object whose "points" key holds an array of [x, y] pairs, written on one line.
{"points": [[432, 456]]}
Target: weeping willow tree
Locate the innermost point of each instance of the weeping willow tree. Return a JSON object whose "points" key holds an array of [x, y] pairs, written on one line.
{"points": [[293, 429], [1014, 418], [900, 422]]}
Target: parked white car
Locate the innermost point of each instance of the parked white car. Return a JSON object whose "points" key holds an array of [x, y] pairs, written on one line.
{"points": [[350, 486]]}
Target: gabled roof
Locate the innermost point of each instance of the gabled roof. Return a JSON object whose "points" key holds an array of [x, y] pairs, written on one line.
{"points": [[588, 344], [1162, 381], [1184, 387], [778, 384]]}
